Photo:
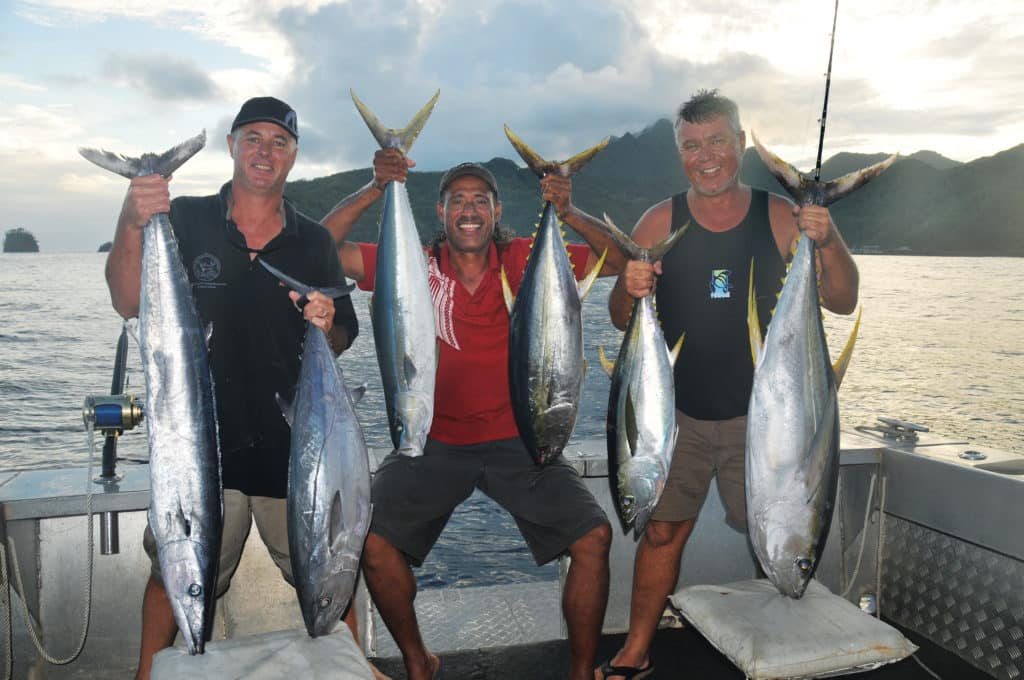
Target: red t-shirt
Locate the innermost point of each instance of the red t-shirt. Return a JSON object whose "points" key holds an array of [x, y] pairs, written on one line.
{"points": [[472, 400]]}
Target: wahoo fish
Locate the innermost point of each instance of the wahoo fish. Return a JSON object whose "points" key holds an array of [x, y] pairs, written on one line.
{"points": [[328, 480], [401, 309], [641, 423], [545, 356], [792, 447], [186, 508]]}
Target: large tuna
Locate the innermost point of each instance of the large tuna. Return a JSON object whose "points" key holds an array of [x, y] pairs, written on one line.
{"points": [[328, 481], [641, 421], [401, 310], [186, 511], [545, 355], [792, 449]]}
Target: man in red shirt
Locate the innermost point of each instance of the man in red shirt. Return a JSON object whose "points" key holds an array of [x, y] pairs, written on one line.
{"points": [[473, 441]]}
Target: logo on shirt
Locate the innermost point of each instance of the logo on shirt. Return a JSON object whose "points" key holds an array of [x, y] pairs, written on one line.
{"points": [[205, 269], [720, 285]]}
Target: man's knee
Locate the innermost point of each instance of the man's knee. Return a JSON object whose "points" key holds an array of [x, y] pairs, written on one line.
{"points": [[660, 534], [594, 544]]}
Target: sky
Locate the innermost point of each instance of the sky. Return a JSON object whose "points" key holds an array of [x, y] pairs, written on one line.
{"points": [[132, 77]]}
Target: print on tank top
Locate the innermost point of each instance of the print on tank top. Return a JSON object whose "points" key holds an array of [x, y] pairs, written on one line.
{"points": [[721, 283]]}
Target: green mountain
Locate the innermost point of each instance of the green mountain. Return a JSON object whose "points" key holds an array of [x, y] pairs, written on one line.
{"points": [[924, 204], [20, 240]]}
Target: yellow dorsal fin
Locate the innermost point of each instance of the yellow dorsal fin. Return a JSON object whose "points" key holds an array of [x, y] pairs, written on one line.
{"points": [[587, 283], [673, 353], [607, 364], [839, 367], [506, 291], [753, 320]]}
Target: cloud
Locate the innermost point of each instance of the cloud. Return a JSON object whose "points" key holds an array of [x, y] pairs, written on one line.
{"points": [[162, 77]]}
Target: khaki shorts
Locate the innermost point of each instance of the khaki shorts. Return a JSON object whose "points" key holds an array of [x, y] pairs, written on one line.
{"points": [[706, 449], [271, 516]]}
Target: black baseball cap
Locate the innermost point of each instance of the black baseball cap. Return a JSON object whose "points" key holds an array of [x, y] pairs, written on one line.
{"points": [[472, 170], [267, 110]]}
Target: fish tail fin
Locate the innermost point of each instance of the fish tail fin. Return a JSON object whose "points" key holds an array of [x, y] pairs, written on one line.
{"points": [[541, 167], [147, 164], [391, 138], [506, 291], [753, 319], [659, 249], [850, 182], [626, 245], [302, 288], [839, 367], [607, 364], [788, 176]]}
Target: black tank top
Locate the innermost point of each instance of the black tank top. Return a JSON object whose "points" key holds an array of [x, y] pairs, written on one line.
{"points": [[703, 292]]}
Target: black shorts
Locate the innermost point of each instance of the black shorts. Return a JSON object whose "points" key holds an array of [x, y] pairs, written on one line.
{"points": [[414, 497]]}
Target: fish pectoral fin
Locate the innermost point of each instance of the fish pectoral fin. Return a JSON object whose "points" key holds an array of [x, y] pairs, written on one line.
{"points": [[587, 283], [506, 291], [839, 367], [753, 319], [287, 409], [356, 394], [409, 369], [824, 436], [335, 524], [632, 431], [607, 364]]}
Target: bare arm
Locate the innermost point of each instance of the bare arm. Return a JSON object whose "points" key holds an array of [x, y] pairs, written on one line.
{"points": [[388, 165], [638, 278], [147, 196], [558, 190]]}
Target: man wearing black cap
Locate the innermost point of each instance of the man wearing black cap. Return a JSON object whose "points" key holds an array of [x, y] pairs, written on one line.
{"points": [[473, 441], [257, 334]]}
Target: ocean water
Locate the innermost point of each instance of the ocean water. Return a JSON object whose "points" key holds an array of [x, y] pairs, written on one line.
{"points": [[940, 344]]}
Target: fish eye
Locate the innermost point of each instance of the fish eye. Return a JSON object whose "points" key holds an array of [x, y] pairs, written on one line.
{"points": [[804, 565], [325, 601], [195, 590]]}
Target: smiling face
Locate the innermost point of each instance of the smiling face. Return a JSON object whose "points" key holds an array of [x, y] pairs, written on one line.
{"points": [[264, 154], [711, 153], [469, 214]]}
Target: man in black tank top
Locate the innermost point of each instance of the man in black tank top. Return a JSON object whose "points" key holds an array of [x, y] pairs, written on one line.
{"points": [[702, 291]]}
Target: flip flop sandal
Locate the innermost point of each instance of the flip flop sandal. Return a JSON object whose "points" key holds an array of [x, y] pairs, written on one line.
{"points": [[627, 672]]}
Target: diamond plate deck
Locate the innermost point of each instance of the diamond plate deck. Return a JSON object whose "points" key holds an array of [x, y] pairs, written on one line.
{"points": [[964, 598], [475, 618]]}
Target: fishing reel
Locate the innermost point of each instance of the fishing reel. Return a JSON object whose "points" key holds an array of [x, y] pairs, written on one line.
{"points": [[112, 414]]}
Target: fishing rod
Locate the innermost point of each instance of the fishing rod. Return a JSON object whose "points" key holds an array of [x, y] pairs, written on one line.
{"points": [[828, 83]]}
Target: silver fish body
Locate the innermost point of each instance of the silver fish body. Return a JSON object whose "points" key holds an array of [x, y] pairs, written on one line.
{"points": [[402, 314], [792, 446], [546, 345], [642, 427], [186, 501], [328, 489], [402, 309]]}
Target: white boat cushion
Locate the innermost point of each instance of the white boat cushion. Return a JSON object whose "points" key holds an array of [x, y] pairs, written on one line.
{"points": [[768, 635], [269, 656]]}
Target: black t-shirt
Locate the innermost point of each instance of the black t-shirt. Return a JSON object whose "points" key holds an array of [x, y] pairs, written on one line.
{"points": [[256, 331], [703, 292]]}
